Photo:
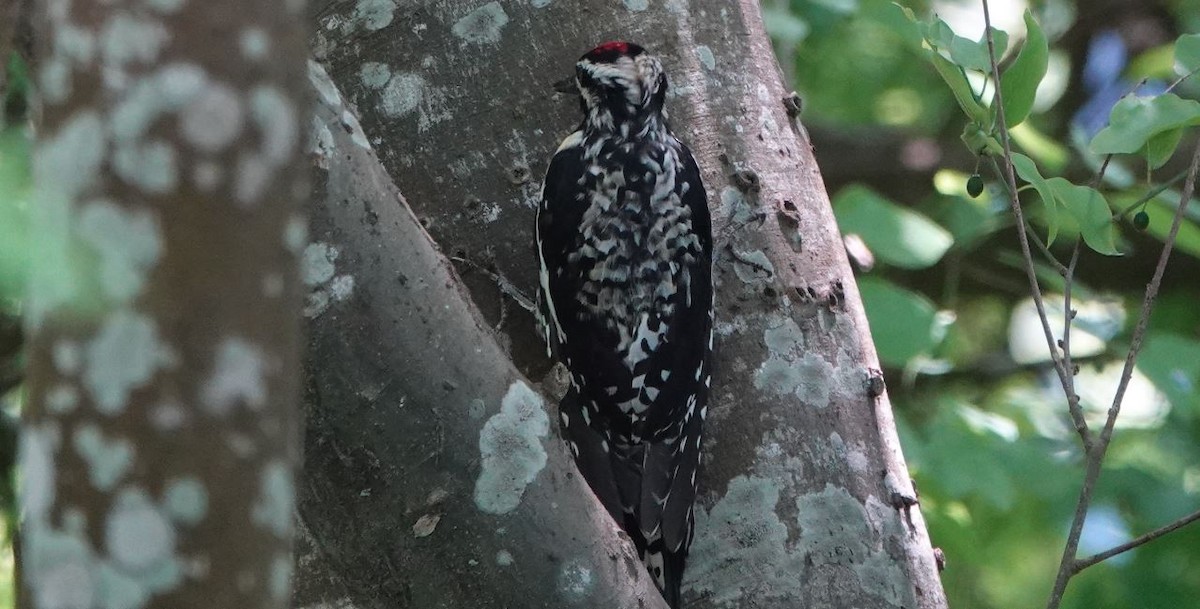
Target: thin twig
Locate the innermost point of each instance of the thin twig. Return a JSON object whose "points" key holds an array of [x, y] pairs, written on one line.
{"points": [[1050, 257], [1067, 566], [1154, 192], [1073, 406], [1010, 176], [1129, 545], [1064, 365], [1103, 169], [1068, 317], [994, 281], [506, 286], [1181, 79], [1037, 241]]}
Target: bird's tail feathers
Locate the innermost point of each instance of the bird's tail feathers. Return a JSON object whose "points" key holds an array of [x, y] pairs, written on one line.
{"points": [[666, 566]]}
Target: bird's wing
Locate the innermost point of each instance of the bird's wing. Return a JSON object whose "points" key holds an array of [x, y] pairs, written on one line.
{"points": [[673, 457]]}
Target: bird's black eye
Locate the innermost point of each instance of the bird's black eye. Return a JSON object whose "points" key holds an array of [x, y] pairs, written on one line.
{"points": [[567, 85], [585, 78]]}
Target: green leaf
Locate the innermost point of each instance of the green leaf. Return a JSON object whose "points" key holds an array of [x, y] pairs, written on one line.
{"points": [[1172, 363], [1020, 81], [908, 12], [979, 140], [18, 77], [968, 220], [973, 55], [911, 29], [1089, 208], [963, 53], [970, 54], [954, 77], [1156, 63], [1134, 120], [1161, 147], [1161, 217], [1041, 147], [841, 7], [902, 321], [966, 464], [15, 246], [938, 34], [1187, 53], [784, 26], [1028, 171], [896, 235]]}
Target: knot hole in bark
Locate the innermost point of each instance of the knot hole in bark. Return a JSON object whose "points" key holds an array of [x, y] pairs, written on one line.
{"points": [[793, 103]]}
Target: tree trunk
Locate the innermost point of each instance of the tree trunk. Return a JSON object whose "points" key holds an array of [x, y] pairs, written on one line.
{"points": [[804, 497], [160, 433], [9, 9], [432, 476]]}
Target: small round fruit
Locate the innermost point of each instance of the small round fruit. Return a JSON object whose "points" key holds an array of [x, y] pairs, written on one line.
{"points": [[1141, 220], [975, 185]]}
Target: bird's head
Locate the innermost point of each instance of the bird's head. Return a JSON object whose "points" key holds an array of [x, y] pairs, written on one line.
{"points": [[620, 81]]}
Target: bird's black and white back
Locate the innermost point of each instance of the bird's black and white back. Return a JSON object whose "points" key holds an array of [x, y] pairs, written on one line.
{"points": [[625, 247]]}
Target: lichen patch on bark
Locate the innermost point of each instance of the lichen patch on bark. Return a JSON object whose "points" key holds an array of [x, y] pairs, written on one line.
{"points": [[750, 544], [511, 451]]}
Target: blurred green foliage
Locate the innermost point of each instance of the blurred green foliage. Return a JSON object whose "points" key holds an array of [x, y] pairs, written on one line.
{"points": [[14, 264], [14, 214], [982, 417]]}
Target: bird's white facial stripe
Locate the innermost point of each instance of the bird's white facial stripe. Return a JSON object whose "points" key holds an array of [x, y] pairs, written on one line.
{"points": [[623, 68], [570, 141], [634, 76]]}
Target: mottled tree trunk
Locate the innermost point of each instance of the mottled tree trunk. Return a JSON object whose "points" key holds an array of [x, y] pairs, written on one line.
{"points": [[160, 434], [805, 497], [432, 476], [8, 26], [9, 11]]}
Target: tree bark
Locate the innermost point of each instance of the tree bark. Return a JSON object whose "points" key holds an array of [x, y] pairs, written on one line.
{"points": [[160, 432], [432, 477], [8, 26], [9, 12], [805, 496]]}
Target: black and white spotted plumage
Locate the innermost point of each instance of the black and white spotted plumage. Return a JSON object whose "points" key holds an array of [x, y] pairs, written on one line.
{"points": [[625, 245]]}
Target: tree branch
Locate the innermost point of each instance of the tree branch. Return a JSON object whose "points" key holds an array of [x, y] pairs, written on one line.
{"points": [[1068, 318], [1067, 566], [1143, 539], [1153, 192], [1042, 247], [1015, 202]]}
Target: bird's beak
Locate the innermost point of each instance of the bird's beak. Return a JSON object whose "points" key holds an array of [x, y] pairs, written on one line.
{"points": [[567, 85]]}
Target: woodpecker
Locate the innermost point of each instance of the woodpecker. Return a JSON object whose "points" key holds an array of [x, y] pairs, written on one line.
{"points": [[624, 242]]}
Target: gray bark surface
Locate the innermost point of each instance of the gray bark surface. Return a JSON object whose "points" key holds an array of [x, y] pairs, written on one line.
{"points": [[433, 476], [804, 484], [160, 435], [9, 9]]}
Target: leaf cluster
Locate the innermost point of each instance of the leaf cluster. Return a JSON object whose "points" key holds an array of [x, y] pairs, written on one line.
{"points": [[984, 430]]}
